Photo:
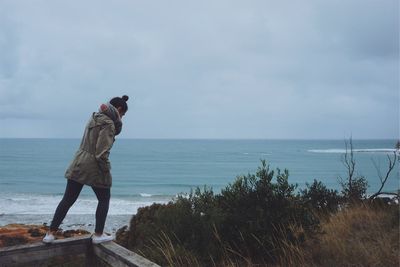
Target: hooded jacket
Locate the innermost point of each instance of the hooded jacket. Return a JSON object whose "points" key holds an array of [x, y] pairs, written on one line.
{"points": [[91, 165]]}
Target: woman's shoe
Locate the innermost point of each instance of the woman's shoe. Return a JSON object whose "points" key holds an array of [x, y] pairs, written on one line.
{"points": [[102, 238], [49, 238]]}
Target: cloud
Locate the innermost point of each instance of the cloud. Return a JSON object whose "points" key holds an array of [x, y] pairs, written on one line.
{"points": [[226, 69]]}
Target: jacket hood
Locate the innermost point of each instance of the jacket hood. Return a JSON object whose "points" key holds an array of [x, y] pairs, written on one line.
{"points": [[99, 119], [107, 113]]}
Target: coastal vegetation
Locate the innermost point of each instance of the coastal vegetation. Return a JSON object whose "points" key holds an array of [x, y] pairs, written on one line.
{"points": [[263, 220]]}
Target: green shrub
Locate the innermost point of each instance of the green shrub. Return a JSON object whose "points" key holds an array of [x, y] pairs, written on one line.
{"points": [[246, 222], [319, 198], [259, 212], [355, 189], [188, 223]]}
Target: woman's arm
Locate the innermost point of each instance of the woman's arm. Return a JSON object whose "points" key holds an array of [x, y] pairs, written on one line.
{"points": [[104, 143]]}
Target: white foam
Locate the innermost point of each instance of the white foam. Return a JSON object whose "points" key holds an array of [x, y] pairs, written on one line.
{"points": [[258, 153], [364, 150], [145, 195], [46, 204]]}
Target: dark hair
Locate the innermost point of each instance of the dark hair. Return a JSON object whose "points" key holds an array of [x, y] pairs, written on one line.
{"points": [[120, 102]]}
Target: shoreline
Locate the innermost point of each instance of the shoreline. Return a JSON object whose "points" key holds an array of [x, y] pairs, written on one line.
{"points": [[71, 222]]}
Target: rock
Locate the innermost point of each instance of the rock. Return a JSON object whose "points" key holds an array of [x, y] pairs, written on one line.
{"points": [[71, 233], [36, 232], [18, 234]]}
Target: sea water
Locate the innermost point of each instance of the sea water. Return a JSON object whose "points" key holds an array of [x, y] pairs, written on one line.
{"points": [[147, 171]]}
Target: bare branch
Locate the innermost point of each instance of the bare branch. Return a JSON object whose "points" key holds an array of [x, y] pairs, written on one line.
{"points": [[392, 163], [377, 168], [349, 162]]}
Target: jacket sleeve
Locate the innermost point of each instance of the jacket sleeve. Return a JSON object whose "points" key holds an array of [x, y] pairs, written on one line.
{"points": [[104, 143]]}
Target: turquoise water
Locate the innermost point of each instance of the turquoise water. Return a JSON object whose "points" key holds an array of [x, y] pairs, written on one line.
{"points": [[147, 171]]}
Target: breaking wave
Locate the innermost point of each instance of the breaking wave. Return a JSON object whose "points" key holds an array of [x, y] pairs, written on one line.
{"points": [[364, 150]]}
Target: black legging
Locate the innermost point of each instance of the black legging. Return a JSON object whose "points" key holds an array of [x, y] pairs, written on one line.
{"points": [[72, 192]]}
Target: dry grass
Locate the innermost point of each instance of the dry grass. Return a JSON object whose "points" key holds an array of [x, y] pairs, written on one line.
{"points": [[173, 255], [293, 254], [357, 236]]}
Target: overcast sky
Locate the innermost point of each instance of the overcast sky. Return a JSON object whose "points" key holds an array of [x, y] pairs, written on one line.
{"points": [[202, 69]]}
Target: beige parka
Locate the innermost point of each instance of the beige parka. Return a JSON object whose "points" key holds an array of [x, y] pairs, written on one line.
{"points": [[91, 165]]}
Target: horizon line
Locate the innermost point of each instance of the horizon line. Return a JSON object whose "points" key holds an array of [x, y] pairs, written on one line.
{"points": [[216, 139]]}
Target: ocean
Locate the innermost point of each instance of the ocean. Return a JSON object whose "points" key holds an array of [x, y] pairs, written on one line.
{"points": [[149, 170]]}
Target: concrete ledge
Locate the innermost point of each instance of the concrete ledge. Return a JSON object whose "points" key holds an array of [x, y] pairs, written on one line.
{"points": [[77, 251], [116, 255], [34, 254]]}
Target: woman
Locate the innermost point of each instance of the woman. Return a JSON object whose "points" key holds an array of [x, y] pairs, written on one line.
{"points": [[91, 166]]}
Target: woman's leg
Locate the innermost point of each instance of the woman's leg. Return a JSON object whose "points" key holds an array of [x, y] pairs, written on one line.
{"points": [[103, 197], [72, 192]]}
